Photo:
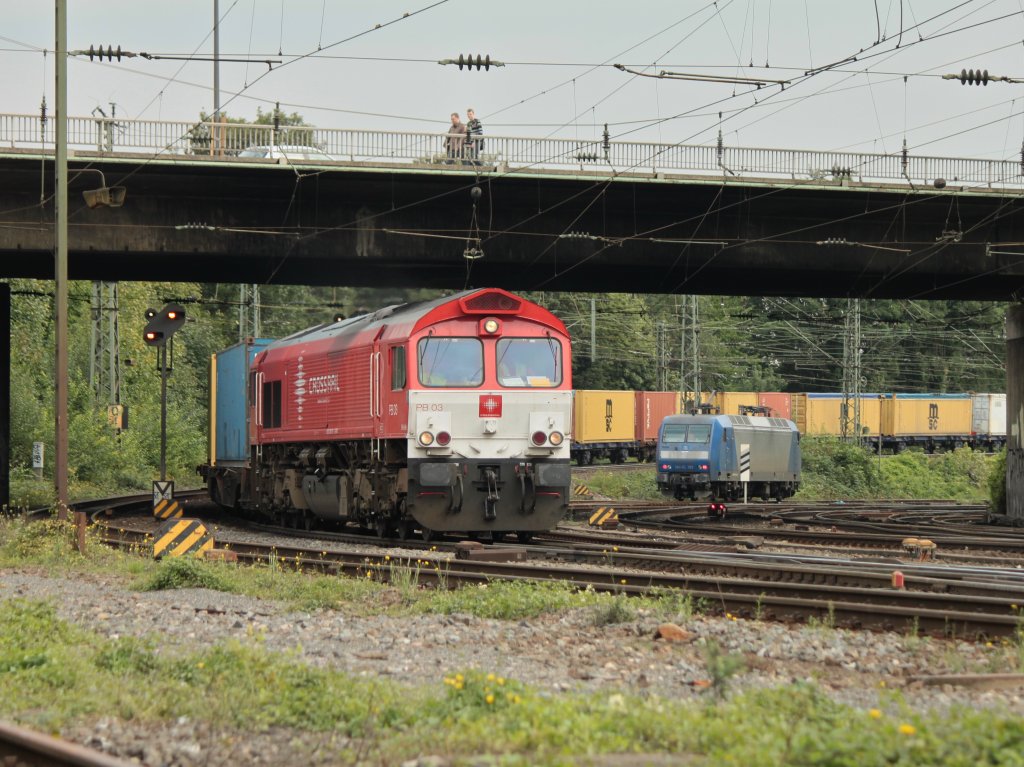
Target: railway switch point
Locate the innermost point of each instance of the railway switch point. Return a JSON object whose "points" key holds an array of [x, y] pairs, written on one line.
{"points": [[477, 552]]}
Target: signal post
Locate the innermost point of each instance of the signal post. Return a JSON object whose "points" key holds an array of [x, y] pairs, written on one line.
{"points": [[160, 329]]}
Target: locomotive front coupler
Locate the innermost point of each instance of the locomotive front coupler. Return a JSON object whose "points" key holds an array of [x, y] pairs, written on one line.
{"points": [[524, 471], [492, 498]]}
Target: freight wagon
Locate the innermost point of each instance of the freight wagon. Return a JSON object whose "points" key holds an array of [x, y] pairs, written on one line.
{"points": [[930, 421], [723, 456], [618, 425], [821, 414], [988, 421]]}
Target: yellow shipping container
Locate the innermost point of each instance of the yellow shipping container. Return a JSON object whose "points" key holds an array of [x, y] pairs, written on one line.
{"points": [[820, 414], [603, 416], [926, 415], [728, 402]]}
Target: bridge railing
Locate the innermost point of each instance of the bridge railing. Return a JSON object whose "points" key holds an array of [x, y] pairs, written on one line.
{"points": [[226, 140]]}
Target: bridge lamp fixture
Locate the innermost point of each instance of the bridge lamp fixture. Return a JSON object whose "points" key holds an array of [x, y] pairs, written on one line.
{"points": [[105, 196]]}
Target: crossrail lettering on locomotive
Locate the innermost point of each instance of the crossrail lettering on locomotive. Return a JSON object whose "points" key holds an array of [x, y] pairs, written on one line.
{"points": [[325, 384]]}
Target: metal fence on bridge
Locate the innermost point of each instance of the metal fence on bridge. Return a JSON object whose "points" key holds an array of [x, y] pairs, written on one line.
{"points": [[199, 139]]}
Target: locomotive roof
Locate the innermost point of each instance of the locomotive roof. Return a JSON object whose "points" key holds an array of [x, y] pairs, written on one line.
{"points": [[733, 420], [407, 316]]}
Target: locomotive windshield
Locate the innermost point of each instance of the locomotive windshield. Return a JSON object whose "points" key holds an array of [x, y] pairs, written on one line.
{"points": [[450, 361], [680, 432], [529, 362]]}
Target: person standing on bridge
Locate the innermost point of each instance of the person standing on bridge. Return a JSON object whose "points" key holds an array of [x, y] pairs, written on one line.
{"points": [[474, 136], [455, 139]]}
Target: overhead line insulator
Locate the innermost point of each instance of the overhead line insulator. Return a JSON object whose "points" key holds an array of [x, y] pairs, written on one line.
{"points": [[465, 61], [974, 78], [110, 53]]}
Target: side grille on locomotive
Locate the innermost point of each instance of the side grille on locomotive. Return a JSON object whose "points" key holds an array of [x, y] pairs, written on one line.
{"points": [[491, 302]]}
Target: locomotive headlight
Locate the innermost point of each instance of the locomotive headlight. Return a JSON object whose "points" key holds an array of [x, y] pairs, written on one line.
{"points": [[443, 438], [539, 438], [426, 438], [556, 438], [491, 326]]}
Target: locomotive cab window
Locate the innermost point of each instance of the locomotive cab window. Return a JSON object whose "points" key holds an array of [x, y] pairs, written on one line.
{"points": [[674, 432], [699, 433], [450, 361], [271, 404], [397, 368], [529, 362]]}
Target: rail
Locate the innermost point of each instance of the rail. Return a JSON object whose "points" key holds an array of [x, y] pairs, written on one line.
{"points": [[21, 746], [178, 139]]}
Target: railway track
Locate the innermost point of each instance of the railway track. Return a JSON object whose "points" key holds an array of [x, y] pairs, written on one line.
{"points": [[977, 602], [27, 748]]}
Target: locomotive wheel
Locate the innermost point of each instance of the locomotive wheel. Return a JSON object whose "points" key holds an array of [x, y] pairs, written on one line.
{"points": [[428, 534]]}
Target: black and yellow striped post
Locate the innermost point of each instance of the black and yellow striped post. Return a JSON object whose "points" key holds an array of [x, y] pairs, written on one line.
{"points": [[167, 508], [581, 490], [179, 537], [605, 517]]}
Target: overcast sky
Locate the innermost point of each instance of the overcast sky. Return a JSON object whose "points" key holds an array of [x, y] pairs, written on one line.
{"points": [[551, 84]]}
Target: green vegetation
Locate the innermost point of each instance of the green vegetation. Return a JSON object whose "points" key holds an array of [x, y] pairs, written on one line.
{"points": [[833, 469], [638, 484], [56, 675], [997, 483]]}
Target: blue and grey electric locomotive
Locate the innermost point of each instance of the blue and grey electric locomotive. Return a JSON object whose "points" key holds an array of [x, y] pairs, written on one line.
{"points": [[715, 455]]}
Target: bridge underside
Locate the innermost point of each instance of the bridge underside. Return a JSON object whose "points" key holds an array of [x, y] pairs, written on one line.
{"points": [[408, 226]]}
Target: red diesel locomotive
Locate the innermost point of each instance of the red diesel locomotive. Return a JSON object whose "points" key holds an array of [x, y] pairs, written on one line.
{"points": [[446, 415]]}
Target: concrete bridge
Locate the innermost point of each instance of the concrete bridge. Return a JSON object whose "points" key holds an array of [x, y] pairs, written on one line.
{"points": [[393, 209]]}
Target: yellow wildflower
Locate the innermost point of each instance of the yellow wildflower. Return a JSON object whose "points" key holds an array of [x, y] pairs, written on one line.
{"points": [[460, 678], [623, 581], [875, 713], [489, 699], [907, 729], [459, 685], [200, 664], [500, 680], [490, 677]]}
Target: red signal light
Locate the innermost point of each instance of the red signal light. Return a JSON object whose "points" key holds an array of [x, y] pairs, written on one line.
{"points": [[443, 438], [539, 438]]}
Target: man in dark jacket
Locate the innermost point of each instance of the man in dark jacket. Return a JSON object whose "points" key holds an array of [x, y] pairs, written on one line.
{"points": [[455, 139]]}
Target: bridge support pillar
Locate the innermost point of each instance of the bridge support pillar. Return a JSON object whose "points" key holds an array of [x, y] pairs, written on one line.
{"points": [[5, 394], [1015, 412]]}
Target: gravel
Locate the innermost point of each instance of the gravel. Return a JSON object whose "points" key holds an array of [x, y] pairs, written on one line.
{"points": [[566, 651]]}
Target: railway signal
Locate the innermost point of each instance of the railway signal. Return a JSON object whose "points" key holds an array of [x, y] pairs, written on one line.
{"points": [[163, 324], [159, 330]]}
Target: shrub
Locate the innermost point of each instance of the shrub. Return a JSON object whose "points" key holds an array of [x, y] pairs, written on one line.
{"points": [[997, 483]]}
